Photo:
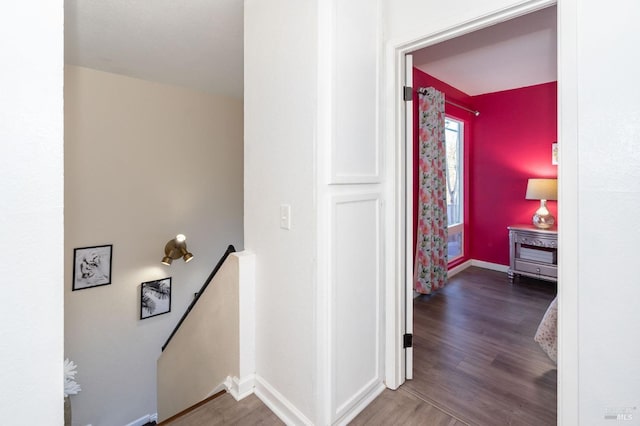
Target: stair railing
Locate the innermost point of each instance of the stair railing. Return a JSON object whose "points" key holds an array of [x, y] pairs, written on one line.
{"points": [[230, 250]]}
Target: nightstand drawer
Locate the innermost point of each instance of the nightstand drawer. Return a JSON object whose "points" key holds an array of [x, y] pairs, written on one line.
{"points": [[535, 268]]}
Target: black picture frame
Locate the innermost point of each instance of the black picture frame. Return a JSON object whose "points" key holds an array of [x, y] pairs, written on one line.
{"points": [[92, 266], [155, 298]]}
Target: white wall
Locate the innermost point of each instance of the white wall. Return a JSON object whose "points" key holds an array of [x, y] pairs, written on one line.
{"points": [[410, 20], [279, 86], [599, 195], [311, 141], [350, 199], [608, 173], [143, 162], [31, 189]]}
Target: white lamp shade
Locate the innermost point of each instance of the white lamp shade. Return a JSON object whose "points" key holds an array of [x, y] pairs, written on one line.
{"points": [[542, 189]]}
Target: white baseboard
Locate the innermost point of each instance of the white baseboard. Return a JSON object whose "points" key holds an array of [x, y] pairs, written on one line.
{"points": [[280, 405], [224, 386], [472, 262], [480, 264], [241, 388], [457, 269], [488, 265], [361, 405], [144, 420]]}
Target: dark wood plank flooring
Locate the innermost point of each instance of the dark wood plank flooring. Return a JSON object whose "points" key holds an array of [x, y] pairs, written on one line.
{"points": [[475, 363], [474, 354]]}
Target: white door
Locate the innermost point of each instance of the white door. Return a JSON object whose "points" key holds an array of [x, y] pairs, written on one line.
{"points": [[408, 195]]}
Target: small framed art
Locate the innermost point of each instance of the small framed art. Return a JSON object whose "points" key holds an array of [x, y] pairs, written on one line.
{"points": [[155, 298], [92, 266]]}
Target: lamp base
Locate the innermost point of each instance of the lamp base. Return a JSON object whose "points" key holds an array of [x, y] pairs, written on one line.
{"points": [[543, 218], [543, 222]]}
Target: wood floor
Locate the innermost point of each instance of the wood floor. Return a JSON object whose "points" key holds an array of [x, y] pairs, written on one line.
{"points": [[474, 354], [475, 363], [225, 410]]}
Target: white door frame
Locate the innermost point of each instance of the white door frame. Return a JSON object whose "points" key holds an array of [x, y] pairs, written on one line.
{"points": [[401, 229], [408, 203]]}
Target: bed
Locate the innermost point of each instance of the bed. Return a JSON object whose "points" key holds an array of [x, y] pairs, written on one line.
{"points": [[547, 333]]}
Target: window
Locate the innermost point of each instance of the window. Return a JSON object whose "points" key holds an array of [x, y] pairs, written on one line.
{"points": [[454, 136]]}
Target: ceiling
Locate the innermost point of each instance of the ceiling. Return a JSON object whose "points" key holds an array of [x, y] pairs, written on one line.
{"points": [[516, 53], [194, 43], [199, 44]]}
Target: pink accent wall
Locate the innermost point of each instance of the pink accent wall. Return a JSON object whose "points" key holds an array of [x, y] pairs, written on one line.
{"points": [[512, 140], [509, 142]]}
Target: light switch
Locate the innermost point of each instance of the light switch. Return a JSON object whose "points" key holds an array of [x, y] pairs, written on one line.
{"points": [[285, 216]]}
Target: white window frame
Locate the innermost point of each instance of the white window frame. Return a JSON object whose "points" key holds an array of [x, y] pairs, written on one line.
{"points": [[458, 228]]}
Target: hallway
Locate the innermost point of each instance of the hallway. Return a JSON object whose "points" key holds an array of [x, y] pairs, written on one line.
{"points": [[475, 363]]}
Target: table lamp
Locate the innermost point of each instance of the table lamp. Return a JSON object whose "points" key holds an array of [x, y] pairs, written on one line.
{"points": [[543, 190]]}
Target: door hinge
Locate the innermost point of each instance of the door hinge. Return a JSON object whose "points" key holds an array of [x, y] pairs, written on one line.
{"points": [[407, 341], [407, 94]]}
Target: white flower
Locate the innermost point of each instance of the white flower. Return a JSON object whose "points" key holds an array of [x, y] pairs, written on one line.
{"points": [[71, 387]]}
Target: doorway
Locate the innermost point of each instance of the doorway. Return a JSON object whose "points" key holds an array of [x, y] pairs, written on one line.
{"points": [[438, 49]]}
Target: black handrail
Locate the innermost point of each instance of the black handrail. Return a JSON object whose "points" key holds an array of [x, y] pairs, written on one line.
{"points": [[230, 250]]}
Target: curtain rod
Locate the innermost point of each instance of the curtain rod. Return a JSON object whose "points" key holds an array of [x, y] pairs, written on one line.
{"points": [[472, 111]]}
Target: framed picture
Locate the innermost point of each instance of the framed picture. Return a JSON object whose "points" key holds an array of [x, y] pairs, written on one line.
{"points": [[91, 266], [155, 298]]}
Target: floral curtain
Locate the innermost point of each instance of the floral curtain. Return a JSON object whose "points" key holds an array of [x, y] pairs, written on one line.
{"points": [[430, 269]]}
